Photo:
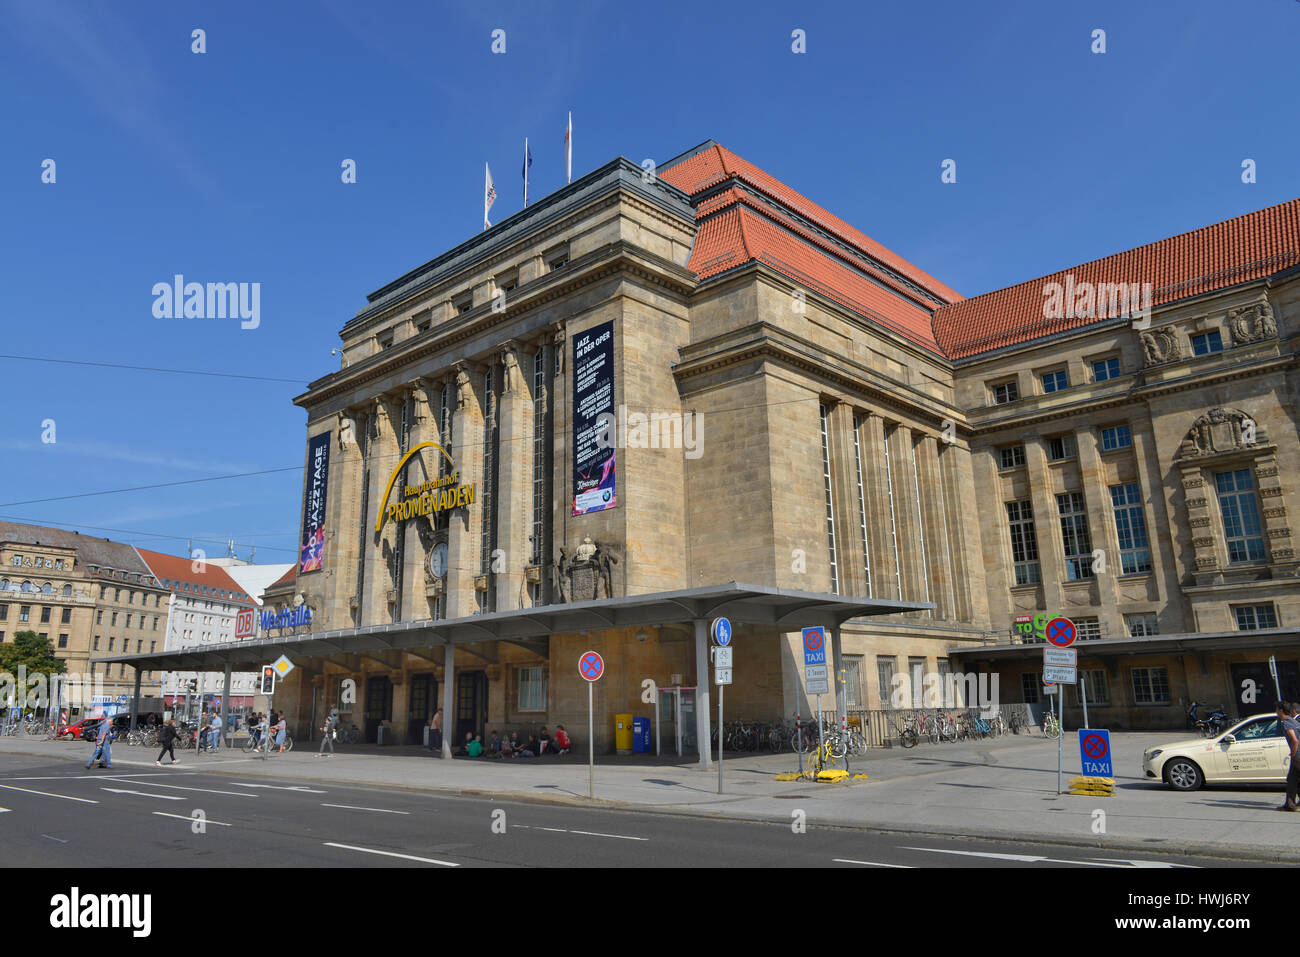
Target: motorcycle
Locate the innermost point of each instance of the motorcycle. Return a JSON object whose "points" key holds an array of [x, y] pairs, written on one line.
{"points": [[1215, 723]]}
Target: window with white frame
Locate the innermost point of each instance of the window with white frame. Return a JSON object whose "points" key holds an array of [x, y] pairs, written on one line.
{"points": [[1142, 625], [1061, 447], [1103, 369], [1116, 437], [1055, 381], [1075, 536], [1131, 528], [1011, 456], [1254, 617], [1150, 685], [532, 688], [886, 665], [1024, 545], [1087, 629], [1030, 684], [830, 508], [1241, 525], [852, 681], [1005, 392]]}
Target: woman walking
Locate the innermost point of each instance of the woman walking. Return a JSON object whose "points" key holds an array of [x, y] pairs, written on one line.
{"points": [[167, 738]]}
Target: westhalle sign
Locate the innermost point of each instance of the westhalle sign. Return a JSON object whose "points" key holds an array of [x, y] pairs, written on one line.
{"points": [[289, 618], [427, 498]]}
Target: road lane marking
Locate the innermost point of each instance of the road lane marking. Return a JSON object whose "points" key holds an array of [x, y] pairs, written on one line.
{"points": [[48, 794], [409, 857], [147, 794], [279, 787], [841, 860], [561, 830], [179, 787], [1020, 858], [621, 837], [351, 807], [186, 817], [1123, 860], [59, 839]]}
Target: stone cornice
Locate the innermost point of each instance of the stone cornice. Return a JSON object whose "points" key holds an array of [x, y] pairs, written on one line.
{"points": [[613, 259], [763, 341]]}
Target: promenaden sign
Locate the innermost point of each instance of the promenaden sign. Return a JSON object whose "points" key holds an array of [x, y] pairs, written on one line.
{"points": [[428, 498]]}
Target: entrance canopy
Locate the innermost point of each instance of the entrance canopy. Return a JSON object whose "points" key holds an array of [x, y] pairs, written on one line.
{"points": [[743, 604]]}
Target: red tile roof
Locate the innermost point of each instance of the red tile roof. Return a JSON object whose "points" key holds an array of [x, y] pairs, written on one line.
{"points": [[716, 164], [288, 578], [1213, 257], [179, 572]]}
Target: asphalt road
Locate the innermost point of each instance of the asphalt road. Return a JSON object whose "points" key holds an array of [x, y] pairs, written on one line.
{"points": [[56, 816]]}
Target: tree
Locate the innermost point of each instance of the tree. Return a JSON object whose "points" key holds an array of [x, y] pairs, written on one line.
{"points": [[30, 649]]}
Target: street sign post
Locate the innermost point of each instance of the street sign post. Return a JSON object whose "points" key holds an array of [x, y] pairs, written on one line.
{"points": [[1094, 752], [1272, 669], [591, 666], [1061, 632], [1060, 674], [721, 632], [1060, 656], [814, 654]]}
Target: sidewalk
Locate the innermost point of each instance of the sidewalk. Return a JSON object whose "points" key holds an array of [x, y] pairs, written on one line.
{"points": [[1003, 788]]}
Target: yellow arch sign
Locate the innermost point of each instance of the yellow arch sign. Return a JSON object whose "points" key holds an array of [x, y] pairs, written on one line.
{"points": [[431, 497]]}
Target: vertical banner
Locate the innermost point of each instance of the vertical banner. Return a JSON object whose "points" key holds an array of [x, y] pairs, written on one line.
{"points": [[313, 506], [593, 396]]}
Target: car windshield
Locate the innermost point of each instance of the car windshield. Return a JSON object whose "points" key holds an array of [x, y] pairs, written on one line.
{"points": [[1257, 728]]}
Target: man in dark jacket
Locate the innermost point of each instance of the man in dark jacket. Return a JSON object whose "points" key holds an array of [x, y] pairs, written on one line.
{"points": [[167, 738]]}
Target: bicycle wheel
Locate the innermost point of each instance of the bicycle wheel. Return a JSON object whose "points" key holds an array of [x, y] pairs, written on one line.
{"points": [[908, 738], [288, 742]]}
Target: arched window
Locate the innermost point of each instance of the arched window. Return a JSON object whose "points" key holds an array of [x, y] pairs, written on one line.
{"points": [[27, 586], [67, 591], [47, 588]]}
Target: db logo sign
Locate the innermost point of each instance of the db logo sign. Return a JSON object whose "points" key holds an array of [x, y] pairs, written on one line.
{"points": [[244, 624]]}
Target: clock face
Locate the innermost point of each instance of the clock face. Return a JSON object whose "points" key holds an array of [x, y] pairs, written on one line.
{"points": [[439, 561]]}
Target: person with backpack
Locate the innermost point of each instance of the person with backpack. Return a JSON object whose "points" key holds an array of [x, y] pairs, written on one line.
{"points": [[167, 738], [103, 750], [327, 739]]}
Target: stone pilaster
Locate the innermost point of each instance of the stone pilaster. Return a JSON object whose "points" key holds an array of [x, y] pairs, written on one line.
{"points": [[342, 507], [911, 544], [465, 525], [380, 559], [875, 477], [970, 593], [933, 513], [849, 560], [514, 475], [1047, 526], [422, 468]]}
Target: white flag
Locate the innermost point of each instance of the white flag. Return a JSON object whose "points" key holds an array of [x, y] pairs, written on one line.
{"points": [[568, 151], [489, 195]]}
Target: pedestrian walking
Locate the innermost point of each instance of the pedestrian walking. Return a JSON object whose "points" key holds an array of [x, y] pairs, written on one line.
{"points": [[167, 738], [103, 746], [214, 732], [1286, 713], [281, 729], [435, 739], [259, 742], [327, 739]]}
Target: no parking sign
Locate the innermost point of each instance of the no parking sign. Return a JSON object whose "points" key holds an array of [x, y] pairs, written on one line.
{"points": [[1094, 752]]}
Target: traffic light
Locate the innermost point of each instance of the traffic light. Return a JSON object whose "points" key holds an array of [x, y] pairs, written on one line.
{"points": [[268, 679], [194, 685]]}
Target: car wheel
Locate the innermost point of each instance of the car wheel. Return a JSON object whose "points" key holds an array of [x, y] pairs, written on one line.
{"points": [[1183, 774]]}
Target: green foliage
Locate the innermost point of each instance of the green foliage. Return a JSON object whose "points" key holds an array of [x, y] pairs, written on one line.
{"points": [[30, 649]]}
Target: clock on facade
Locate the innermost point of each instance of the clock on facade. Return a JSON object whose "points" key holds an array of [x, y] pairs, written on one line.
{"points": [[438, 560]]}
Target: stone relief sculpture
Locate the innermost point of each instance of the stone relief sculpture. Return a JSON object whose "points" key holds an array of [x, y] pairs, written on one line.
{"points": [[589, 575], [1252, 323], [347, 431], [1160, 345], [1221, 430]]}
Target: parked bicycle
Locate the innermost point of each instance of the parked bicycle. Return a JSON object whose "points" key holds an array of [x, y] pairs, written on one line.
{"points": [[1051, 725]]}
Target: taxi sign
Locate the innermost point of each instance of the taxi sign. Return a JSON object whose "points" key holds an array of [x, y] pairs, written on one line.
{"points": [[1094, 752], [814, 646]]}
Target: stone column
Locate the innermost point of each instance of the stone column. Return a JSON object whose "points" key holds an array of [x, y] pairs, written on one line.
{"points": [[849, 559], [970, 595], [465, 525], [448, 698], [934, 517], [561, 482], [380, 558], [1101, 530], [1047, 527], [880, 524], [910, 533], [422, 468], [702, 714], [514, 475]]}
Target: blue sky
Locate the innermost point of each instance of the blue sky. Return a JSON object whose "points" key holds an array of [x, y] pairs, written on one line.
{"points": [[225, 166]]}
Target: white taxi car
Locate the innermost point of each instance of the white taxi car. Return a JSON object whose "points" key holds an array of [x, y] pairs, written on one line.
{"points": [[1253, 751]]}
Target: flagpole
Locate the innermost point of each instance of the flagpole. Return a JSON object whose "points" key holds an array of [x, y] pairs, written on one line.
{"points": [[525, 172], [568, 151]]}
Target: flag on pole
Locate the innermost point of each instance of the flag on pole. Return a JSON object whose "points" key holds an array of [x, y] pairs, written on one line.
{"points": [[568, 150], [489, 195], [528, 161]]}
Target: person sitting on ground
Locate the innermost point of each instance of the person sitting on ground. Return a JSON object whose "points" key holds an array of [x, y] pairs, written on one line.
{"points": [[562, 740], [494, 745], [475, 747], [463, 750], [515, 745], [547, 747], [532, 748]]}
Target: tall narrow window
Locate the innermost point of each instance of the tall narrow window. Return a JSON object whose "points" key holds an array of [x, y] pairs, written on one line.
{"points": [[1241, 525], [830, 510], [893, 523], [1131, 526], [862, 503], [490, 457], [920, 524], [1075, 536], [885, 668], [1024, 544]]}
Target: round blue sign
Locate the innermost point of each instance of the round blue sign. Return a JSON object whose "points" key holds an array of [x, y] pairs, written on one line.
{"points": [[722, 631]]}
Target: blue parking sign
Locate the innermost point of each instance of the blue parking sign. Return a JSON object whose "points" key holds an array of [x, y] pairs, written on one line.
{"points": [[1094, 753], [814, 646]]}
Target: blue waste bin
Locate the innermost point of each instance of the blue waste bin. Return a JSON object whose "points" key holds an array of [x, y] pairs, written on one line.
{"points": [[641, 735]]}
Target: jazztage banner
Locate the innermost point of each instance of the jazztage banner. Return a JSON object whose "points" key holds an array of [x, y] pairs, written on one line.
{"points": [[593, 396], [313, 506]]}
